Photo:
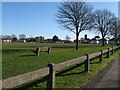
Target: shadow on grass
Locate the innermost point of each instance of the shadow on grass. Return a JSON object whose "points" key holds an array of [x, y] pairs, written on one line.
{"points": [[71, 73], [80, 46], [27, 55], [94, 61], [11, 51], [59, 74], [65, 47], [34, 83], [62, 72]]}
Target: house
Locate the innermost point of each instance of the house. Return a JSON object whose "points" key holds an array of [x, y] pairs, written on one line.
{"points": [[75, 41], [94, 41], [58, 41], [39, 39], [22, 40], [48, 41], [112, 41], [85, 40], [100, 41], [6, 40], [97, 37], [66, 41], [30, 39]]}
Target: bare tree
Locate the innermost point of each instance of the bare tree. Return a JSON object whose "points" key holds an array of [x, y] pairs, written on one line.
{"points": [[14, 37], [2, 37], [76, 17], [7, 37], [67, 38], [115, 29], [103, 22], [22, 37]]}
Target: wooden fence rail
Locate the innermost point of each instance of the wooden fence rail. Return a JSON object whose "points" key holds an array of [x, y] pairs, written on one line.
{"points": [[20, 79], [52, 68]]}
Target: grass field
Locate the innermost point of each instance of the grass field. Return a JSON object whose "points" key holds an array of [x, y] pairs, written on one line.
{"points": [[74, 76], [18, 58]]}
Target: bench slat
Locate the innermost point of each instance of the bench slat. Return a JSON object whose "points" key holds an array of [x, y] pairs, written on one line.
{"points": [[42, 49]]}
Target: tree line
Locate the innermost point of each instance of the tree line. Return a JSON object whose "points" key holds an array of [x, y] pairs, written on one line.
{"points": [[79, 16]]}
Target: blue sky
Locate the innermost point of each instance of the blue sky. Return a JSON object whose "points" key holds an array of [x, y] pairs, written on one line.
{"points": [[38, 19]]}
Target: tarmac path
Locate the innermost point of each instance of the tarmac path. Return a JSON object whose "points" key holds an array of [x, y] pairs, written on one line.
{"points": [[112, 76]]}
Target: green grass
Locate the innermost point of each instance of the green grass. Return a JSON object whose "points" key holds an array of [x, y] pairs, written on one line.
{"points": [[75, 79], [17, 58], [74, 76]]}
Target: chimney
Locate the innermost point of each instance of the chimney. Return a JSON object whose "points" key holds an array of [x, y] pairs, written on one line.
{"points": [[85, 36]]}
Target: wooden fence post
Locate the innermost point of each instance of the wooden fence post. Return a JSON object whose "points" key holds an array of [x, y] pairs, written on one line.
{"points": [[112, 50], [101, 56], [118, 47], [49, 49], [37, 51], [108, 53], [87, 63], [51, 77], [115, 48]]}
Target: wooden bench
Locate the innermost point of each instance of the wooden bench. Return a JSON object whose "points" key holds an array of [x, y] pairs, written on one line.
{"points": [[42, 49]]}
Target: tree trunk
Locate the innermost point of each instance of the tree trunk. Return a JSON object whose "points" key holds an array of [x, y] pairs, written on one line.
{"points": [[77, 35], [117, 42], [103, 41]]}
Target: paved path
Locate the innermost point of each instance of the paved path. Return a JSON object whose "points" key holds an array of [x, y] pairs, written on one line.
{"points": [[111, 77]]}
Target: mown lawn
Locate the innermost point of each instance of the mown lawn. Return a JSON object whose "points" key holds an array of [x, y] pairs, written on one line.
{"points": [[73, 76], [18, 58]]}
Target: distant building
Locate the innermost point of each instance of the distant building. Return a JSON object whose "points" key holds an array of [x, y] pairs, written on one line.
{"points": [[39, 39], [30, 39], [58, 41], [112, 41], [6, 40], [85, 36], [94, 41], [97, 37], [22, 40], [85, 40], [105, 40], [75, 41], [66, 41], [48, 41]]}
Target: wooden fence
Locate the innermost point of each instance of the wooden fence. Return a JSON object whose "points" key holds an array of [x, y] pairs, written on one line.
{"points": [[52, 68]]}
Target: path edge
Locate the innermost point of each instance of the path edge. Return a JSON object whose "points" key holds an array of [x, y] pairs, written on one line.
{"points": [[94, 80]]}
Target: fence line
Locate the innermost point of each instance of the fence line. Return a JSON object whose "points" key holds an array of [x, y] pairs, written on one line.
{"points": [[69, 63], [50, 70], [23, 78]]}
